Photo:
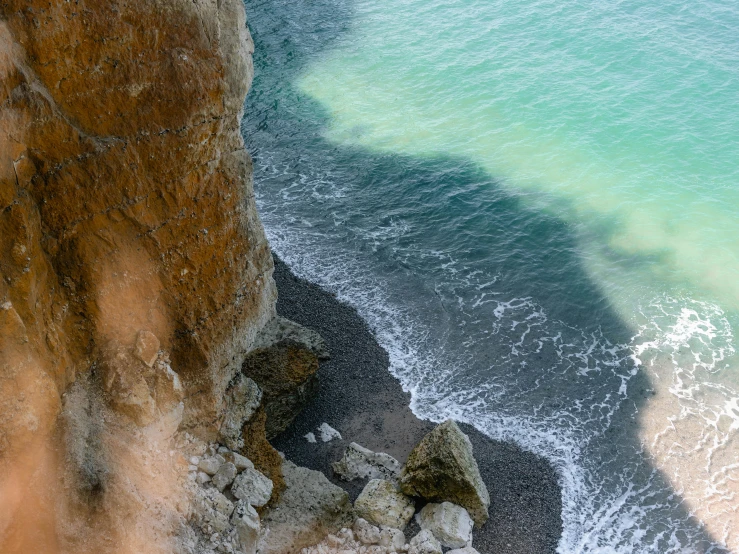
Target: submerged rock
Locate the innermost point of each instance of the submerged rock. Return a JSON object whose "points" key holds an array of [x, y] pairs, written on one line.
{"points": [[442, 468], [361, 463], [449, 523], [382, 503]]}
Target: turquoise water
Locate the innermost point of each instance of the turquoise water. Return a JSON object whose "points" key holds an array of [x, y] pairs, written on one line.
{"points": [[534, 205]]}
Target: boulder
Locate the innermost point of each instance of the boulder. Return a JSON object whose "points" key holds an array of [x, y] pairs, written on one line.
{"points": [[281, 329], [442, 468], [284, 364], [310, 508], [246, 522], [243, 397], [382, 503], [424, 543], [328, 433], [224, 476], [392, 539], [449, 523], [241, 462], [361, 463], [366, 533], [252, 487], [211, 464]]}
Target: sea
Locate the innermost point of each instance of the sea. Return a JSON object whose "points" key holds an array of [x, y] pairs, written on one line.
{"points": [[534, 205]]}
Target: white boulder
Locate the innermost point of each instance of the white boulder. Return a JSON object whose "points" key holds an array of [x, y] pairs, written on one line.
{"points": [[449, 523], [246, 522], [253, 487], [424, 543], [365, 532], [328, 433], [359, 462], [381, 503]]}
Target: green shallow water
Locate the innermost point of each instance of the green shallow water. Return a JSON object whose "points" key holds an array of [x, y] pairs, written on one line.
{"points": [[620, 117], [533, 204]]}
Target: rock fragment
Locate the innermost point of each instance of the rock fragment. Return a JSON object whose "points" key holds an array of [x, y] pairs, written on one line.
{"points": [[252, 487], [361, 463], [147, 347], [365, 532], [424, 543], [213, 510], [328, 433], [310, 437], [442, 468], [224, 476], [381, 503], [246, 522], [449, 523], [243, 397], [392, 539], [210, 464], [241, 462]]}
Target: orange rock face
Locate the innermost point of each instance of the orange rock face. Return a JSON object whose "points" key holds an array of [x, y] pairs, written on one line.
{"points": [[127, 221]]}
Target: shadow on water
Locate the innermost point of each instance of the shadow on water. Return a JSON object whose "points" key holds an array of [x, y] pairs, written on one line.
{"points": [[531, 254]]}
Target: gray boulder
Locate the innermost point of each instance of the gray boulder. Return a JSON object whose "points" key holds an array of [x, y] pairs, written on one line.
{"points": [[392, 539], [243, 397], [361, 463], [224, 476], [449, 523], [281, 329], [246, 522], [365, 532], [309, 509], [252, 487], [424, 543], [284, 363], [442, 468], [381, 503]]}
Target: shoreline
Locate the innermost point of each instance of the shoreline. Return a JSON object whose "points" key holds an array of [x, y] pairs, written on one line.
{"points": [[361, 399]]}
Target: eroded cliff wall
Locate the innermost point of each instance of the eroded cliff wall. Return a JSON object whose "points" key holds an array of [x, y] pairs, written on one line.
{"points": [[134, 271]]}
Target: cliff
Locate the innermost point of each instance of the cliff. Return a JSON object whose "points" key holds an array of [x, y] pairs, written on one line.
{"points": [[135, 271]]}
